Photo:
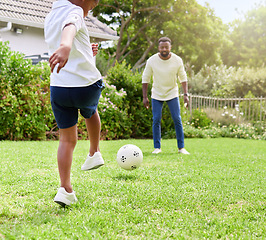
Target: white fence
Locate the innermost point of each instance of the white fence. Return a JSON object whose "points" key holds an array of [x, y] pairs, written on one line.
{"points": [[250, 109]]}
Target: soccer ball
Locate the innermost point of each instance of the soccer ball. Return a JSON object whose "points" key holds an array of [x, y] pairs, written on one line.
{"points": [[129, 157]]}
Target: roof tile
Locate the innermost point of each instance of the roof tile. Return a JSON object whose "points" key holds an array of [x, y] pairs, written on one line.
{"points": [[34, 11]]}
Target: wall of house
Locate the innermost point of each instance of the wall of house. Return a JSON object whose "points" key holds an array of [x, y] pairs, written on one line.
{"points": [[27, 40]]}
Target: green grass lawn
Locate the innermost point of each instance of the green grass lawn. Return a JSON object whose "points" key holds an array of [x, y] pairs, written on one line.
{"points": [[217, 192]]}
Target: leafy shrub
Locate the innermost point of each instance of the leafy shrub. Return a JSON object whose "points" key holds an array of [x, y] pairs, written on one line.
{"points": [[249, 80], [122, 77], [225, 116], [245, 131], [223, 81], [212, 80], [114, 114], [27, 114], [25, 107], [104, 60], [199, 119], [192, 132]]}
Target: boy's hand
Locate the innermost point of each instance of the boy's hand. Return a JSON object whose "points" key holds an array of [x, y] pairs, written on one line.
{"points": [[60, 57], [94, 47]]}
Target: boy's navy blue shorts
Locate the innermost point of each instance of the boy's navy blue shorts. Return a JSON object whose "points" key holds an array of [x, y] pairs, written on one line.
{"points": [[68, 101]]}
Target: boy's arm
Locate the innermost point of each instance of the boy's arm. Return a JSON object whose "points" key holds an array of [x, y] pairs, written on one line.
{"points": [[60, 56]]}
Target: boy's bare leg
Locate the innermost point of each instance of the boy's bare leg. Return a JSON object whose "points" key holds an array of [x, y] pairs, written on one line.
{"points": [[67, 143], [93, 125]]}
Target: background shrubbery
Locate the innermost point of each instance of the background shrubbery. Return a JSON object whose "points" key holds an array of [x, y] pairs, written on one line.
{"points": [[26, 112], [24, 104], [223, 81]]}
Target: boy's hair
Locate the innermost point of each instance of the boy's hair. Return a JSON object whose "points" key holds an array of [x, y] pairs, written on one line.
{"points": [[165, 39]]}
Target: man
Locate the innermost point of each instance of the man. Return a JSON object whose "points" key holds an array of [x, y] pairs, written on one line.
{"points": [[165, 66]]}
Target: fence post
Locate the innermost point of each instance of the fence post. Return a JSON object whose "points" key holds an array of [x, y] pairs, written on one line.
{"points": [[250, 109], [260, 108], [190, 106]]}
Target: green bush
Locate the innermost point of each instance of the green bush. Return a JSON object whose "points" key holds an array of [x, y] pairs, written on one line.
{"points": [[27, 114], [244, 131], [114, 114], [199, 119], [226, 116], [25, 107], [223, 81], [140, 118], [249, 80], [192, 132], [104, 61]]}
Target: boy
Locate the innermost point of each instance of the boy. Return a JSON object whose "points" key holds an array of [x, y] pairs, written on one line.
{"points": [[75, 86]]}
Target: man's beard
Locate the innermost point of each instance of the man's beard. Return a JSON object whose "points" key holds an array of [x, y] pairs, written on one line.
{"points": [[164, 54]]}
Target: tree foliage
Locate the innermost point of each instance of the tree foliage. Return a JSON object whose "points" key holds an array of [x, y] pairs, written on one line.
{"points": [[135, 21], [193, 29], [197, 34], [247, 40]]}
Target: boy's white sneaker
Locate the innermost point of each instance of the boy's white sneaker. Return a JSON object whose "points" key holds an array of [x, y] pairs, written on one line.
{"points": [[157, 150], [93, 162], [64, 198], [183, 151]]}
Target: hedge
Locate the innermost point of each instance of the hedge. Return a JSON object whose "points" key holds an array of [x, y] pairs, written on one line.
{"points": [[26, 112]]}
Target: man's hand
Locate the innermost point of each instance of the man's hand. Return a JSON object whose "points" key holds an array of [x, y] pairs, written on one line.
{"points": [[146, 103], [186, 101], [60, 57], [94, 47]]}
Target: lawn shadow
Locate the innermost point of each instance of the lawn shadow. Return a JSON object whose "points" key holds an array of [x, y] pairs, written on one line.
{"points": [[145, 154], [125, 177]]}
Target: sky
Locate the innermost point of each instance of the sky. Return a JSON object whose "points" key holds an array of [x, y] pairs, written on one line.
{"points": [[229, 10]]}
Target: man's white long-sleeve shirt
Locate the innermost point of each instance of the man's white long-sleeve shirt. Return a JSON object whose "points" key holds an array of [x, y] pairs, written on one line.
{"points": [[165, 74]]}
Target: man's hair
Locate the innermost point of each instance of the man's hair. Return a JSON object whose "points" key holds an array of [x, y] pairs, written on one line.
{"points": [[165, 39]]}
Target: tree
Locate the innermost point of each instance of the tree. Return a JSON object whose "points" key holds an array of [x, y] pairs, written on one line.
{"points": [[192, 28], [137, 23], [197, 34], [247, 40]]}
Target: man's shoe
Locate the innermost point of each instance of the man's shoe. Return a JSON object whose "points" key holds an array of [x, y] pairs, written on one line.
{"points": [[93, 162], [64, 198], [183, 151], [157, 150]]}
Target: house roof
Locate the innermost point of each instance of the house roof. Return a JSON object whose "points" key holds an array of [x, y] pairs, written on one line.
{"points": [[32, 13]]}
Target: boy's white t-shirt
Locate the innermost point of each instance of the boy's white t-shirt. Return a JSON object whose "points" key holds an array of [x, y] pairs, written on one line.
{"points": [[80, 70], [164, 73]]}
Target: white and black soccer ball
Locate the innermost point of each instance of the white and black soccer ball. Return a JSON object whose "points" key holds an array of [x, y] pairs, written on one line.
{"points": [[129, 157]]}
